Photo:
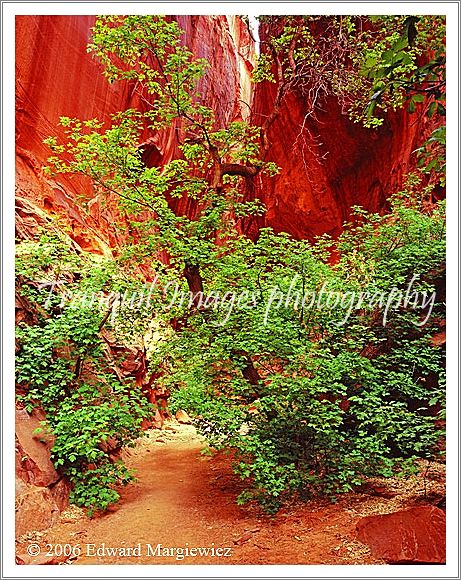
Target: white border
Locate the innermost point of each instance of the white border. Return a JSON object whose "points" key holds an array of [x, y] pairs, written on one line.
{"points": [[251, 8], [10, 10]]}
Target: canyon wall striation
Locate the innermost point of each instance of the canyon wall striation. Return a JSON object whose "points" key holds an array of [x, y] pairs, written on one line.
{"points": [[55, 76]]}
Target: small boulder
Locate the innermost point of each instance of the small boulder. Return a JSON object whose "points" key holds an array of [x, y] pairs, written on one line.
{"points": [[414, 536], [183, 417], [33, 462]]}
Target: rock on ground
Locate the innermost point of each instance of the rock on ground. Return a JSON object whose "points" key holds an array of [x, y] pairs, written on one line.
{"points": [[414, 536], [40, 493], [183, 417]]}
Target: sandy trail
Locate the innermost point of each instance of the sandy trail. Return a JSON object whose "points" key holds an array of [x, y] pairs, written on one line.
{"points": [[184, 500]]}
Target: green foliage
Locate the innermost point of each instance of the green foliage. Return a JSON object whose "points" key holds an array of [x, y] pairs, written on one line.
{"points": [[373, 65], [393, 63], [62, 368], [125, 44], [262, 70], [340, 400], [112, 159], [432, 154]]}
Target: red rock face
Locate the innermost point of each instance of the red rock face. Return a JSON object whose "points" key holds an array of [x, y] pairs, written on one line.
{"points": [[331, 164], [326, 167], [55, 76], [33, 451], [40, 493], [414, 536]]}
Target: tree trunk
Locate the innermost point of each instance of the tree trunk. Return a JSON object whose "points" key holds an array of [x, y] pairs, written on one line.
{"points": [[194, 279]]}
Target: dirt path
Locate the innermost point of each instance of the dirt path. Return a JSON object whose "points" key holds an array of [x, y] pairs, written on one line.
{"points": [[184, 500]]}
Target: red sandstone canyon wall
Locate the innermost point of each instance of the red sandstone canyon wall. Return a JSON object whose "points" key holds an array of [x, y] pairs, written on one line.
{"points": [[325, 170], [329, 163], [333, 166], [55, 76]]}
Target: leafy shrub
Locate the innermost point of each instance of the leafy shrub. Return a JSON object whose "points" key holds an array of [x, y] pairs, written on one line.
{"points": [[338, 401], [62, 367]]}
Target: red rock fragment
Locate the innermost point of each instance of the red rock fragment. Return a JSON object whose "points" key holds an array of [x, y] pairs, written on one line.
{"points": [[414, 536], [247, 536]]}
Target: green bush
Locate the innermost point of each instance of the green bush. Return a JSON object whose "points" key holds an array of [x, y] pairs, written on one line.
{"points": [[62, 367], [337, 402]]}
